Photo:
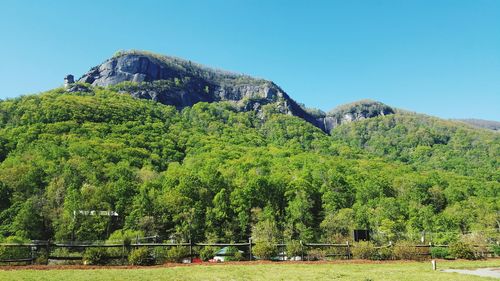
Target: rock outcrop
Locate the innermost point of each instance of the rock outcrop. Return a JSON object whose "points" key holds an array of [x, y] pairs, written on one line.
{"points": [[355, 111], [182, 83]]}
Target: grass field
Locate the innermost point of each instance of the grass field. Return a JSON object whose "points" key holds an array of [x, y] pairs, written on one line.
{"points": [[397, 271]]}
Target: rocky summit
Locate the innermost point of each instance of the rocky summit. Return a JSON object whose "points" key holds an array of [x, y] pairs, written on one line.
{"points": [[182, 83]]}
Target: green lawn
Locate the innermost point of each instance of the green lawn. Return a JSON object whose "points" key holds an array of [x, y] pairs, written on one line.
{"points": [[398, 271]]}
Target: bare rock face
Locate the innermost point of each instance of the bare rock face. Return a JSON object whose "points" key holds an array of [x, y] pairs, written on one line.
{"points": [[182, 83], [355, 111]]}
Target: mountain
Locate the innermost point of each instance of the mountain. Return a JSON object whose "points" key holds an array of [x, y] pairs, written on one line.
{"points": [[206, 155], [182, 83], [355, 111], [479, 123]]}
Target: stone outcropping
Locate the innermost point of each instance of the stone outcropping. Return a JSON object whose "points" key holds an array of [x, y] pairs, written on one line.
{"points": [[182, 83], [355, 111]]}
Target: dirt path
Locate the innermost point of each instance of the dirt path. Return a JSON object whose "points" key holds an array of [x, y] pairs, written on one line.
{"points": [[483, 272]]}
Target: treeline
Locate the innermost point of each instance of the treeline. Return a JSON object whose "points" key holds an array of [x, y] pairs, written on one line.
{"points": [[210, 173]]}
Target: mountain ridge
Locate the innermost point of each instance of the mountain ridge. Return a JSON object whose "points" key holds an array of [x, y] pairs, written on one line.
{"points": [[185, 83]]}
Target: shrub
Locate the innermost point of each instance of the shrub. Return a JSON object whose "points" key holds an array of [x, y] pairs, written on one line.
{"points": [[207, 253], [233, 254], [64, 252], [462, 250], [177, 254], [20, 252], [293, 249], [160, 254], [124, 236], [364, 250], [440, 253], [265, 250], [496, 250], [141, 256], [316, 254], [405, 250], [95, 256], [384, 253]]}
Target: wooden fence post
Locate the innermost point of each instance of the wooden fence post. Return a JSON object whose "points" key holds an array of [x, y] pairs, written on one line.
{"points": [[348, 251], [123, 252], [250, 248], [190, 251], [301, 251], [47, 248]]}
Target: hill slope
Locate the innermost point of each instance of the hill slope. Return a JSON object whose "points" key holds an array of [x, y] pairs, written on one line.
{"points": [[212, 172]]}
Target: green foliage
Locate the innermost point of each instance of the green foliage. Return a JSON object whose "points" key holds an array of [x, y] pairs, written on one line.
{"points": [[496, 250], [233, 254], [293, 248], [95, 256], [440, 253], [207, 253], [141, 256], [177, 254], [264, 250], [462, 250], [364, 250], [209, 171], [126, 237], [384, 253], [7, 252], [316, 254], [406, 250]]}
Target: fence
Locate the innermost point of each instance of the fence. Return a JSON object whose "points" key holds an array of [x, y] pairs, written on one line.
{"points": [[29, 252]]}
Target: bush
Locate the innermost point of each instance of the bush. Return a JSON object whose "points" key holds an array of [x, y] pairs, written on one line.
{"points": [[265, 250], [20, 252], [177, 254], [207, 253], [160, 255], [462, 250], [384, 253], [124, 236], [65, 252], [293, 249], [95, 256], [404, 250], [316, 254], [233, 254], [364, 250], [141, 256], [496, 250], [440, 253]]}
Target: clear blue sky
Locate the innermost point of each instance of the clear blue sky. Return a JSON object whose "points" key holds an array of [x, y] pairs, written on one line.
{"points": [[436, 57]]}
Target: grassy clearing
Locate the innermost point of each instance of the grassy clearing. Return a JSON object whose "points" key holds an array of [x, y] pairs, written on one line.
{"points": [[389, 271]]}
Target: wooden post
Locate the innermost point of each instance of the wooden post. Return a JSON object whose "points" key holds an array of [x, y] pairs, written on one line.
{"points": [[123, 252], [434, 264], [250, 249], [190, 251], [301, 251], [348, 251], [47, 248], [32, 254]]}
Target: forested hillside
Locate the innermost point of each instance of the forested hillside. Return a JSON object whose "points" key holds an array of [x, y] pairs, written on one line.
{"points": [[210, 172]]}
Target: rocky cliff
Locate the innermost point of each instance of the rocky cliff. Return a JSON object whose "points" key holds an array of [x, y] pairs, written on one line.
{"points": [[182, 83], [355, 111]]}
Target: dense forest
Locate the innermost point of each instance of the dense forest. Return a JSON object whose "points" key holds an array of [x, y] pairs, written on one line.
{"points": [[211, 173]]}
